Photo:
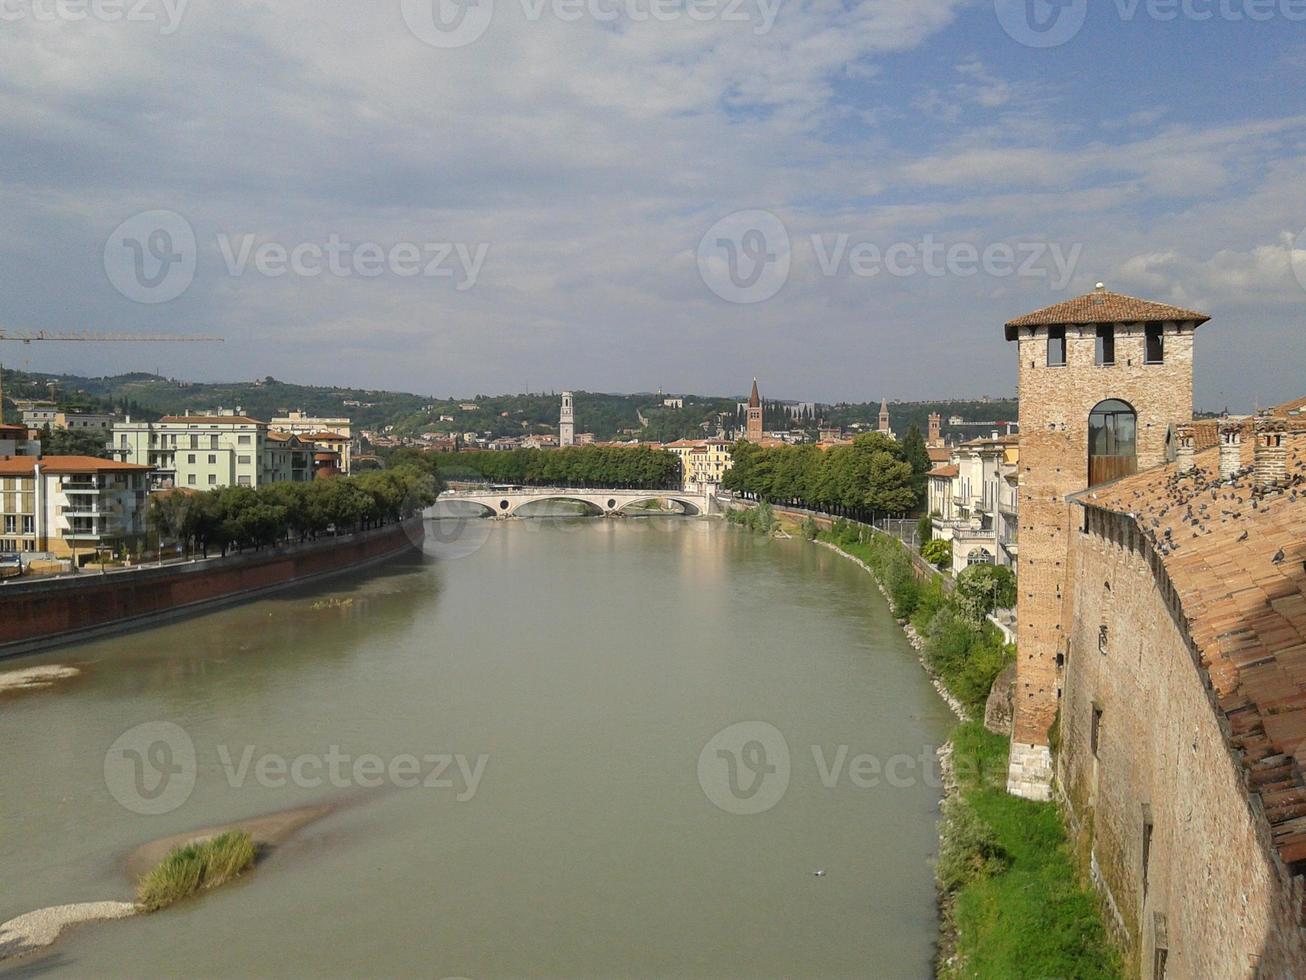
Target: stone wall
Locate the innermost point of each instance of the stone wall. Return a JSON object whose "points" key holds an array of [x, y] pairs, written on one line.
{"points": [[1215, 892], [37, 614]]}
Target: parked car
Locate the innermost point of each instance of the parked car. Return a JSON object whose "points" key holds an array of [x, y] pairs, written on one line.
{"points": [[11, 566]]}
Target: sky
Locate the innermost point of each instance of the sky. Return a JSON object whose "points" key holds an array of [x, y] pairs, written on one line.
{"points": [[845, 200]]}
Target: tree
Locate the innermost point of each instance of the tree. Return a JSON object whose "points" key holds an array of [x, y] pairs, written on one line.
{"points": [[66, 442], [983, 588], [915, 453], [938, 553]]}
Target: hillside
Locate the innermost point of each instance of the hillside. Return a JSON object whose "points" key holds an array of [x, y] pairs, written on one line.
{"points": [[608, 416]]}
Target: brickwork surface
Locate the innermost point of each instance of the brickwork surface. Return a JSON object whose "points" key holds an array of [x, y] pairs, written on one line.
{"points": [[1164, 753], [39, 611], [1055, 404]]}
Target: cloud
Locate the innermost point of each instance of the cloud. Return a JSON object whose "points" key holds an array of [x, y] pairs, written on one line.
{"points": [[590, 157]]}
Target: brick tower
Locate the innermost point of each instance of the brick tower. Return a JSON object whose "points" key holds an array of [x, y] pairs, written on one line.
{"points": [[754, 430], [1105, 380], [935, 440], [885, 427]]}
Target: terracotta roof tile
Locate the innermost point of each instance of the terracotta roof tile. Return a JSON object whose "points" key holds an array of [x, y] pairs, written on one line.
{"points": [[1103, 306], [1246, 612]]}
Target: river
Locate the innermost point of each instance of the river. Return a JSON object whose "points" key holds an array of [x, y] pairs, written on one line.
{"points": [[649, 735]]}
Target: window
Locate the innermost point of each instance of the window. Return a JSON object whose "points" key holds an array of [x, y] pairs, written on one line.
{"points": [[190, 457], [1155, 353], [1095, 732], [243, 440], [213, 442], [194, 442], [243, 460], [213, 460], [980, 556], [213, 479], [1112, 442], [11, 524], [1106, 344], [190, 479], [28, 525], [243, 481], [1056, 346]]}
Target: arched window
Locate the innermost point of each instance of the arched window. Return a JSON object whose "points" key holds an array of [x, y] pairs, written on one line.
{"points": [[980, 556], [1112, 442]]}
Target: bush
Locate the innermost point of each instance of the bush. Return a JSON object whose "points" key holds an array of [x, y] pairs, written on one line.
{"points": [[194, 867], [983, 588], [967, 657], [810, 528], [969, 850], [925, 530], [938, 553]]}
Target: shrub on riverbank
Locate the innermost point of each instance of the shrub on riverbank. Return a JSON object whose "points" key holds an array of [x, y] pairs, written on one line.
{"points": [[192, 868], [1008, 879], [760, 518], [967, 655]]}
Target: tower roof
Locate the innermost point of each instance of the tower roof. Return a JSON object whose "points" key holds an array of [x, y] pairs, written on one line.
{"points": [[754, 400], [1104, 306]]}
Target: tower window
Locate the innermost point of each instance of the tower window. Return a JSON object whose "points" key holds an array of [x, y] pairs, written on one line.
{"points": [[1095, 732], [1155, 343], [1106, 344], [1056, 346], [1112, 442]]}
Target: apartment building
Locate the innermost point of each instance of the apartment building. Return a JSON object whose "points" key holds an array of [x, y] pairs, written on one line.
{"points": [[337, 430], [702, 462], [974, 502], [287, 458], [198, 451], [70, 505]]}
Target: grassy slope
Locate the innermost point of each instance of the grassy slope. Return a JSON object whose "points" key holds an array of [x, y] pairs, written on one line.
{"points": [[1033, 919]]}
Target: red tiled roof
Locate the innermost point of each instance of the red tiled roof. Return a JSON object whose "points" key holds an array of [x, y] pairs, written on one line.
{"points": [[13, 431], [939, 454], [1103, 306], [1245, 611], [945, 471], [211, 420], [26, 465]]}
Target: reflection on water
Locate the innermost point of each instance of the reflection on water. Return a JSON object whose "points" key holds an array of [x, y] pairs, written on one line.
{"points": [[566, 677]]}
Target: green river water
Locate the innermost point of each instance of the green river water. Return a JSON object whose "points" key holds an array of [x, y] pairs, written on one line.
{"points": [[656, 729]]}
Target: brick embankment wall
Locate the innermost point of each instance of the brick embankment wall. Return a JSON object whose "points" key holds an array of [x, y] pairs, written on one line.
{"points": [[35, 615]]}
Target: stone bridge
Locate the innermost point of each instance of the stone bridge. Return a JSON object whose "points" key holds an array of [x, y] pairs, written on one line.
{"points": [[504, 502]]}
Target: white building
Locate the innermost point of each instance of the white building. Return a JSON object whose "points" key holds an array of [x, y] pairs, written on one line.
{"points": [[567, 421], [974, 502], [198, 451]]}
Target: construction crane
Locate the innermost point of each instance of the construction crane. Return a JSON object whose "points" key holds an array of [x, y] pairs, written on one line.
{"points": [[106, 338], [88, 336]]}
